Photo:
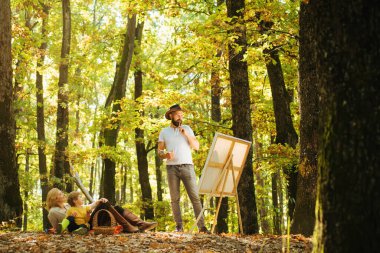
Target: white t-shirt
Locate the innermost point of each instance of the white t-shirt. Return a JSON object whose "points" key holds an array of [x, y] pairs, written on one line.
{"points": [[177, 143]]}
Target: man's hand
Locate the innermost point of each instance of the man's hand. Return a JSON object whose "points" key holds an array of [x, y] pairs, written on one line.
{"points": [[182, 131], [169, 155]]}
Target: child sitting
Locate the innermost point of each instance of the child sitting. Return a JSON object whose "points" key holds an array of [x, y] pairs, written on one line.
{"points": [[78, 215]]}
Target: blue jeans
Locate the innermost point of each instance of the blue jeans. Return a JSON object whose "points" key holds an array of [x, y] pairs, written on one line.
{"points": [[186, 173]]}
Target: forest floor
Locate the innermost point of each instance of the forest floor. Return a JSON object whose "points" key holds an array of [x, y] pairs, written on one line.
{"points": [[151, 242]]}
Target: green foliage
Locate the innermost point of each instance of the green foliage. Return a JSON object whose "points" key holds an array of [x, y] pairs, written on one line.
{"points": [[164, 216], [182, 43]]}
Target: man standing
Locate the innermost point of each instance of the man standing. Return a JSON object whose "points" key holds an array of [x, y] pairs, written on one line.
{"points": [[174, 144]]}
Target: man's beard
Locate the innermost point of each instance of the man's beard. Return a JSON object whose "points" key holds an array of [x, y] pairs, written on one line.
{"points": [[177, 123]]}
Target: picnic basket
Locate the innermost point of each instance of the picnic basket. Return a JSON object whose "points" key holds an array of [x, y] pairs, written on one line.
{"points": [[108, 229]]}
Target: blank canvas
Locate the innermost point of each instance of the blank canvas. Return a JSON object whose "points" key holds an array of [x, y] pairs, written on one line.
{"points": [[221, 149]]}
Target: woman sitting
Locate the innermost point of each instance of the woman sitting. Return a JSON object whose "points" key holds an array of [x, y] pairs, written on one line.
{"points": [[57, 207]]}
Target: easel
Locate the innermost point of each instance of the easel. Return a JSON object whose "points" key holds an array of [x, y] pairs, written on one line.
{"points": [[222, 179]]}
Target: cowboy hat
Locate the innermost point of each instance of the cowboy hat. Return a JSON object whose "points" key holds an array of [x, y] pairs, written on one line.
{"points": [[172, 108]]}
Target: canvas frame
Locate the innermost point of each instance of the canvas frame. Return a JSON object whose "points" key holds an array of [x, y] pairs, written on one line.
{"points": [[222, 171]]}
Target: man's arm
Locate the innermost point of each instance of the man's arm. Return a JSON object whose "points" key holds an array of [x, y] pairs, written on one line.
{"points": [[193, 142], [161, 151]]}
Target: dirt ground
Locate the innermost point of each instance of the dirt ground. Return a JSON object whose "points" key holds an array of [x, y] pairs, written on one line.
{"points": [[151, 242]]}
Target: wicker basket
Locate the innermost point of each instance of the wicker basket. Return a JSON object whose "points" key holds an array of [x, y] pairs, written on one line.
{"points": [[109, 230]]}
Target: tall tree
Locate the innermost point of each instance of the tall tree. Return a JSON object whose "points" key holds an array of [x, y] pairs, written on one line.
{"points": [[141, 150], [346, 40], [216, 115], [40, 114], [10, 197], [304, 213], [241, 111], [61, 164], [285, 132], [119, 87]]}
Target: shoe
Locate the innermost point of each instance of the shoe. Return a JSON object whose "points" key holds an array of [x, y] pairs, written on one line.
{"points": [[134, 220], [80, 231], [63, 226], [178, 229], [147, 226], [204, 230]]}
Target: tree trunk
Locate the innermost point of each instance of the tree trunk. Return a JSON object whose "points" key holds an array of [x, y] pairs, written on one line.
{"points": [[241, 114], [222, 220], [93, 163], [111, 134], [158, 162], [142, 163], [41, 118], [77, 112], [124, 174], [216, 115], [211, 205], [276, 207], [142, 159], [10, 198], [61, 164], [26, 193], [131, 199], [304, 213], [92, 176], [101, 178], [281, 199], [346, 41], [216, 92], [285, 132]]}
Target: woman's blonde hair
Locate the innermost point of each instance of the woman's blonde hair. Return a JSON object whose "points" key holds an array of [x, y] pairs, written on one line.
{"points": [[51, 198]]}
